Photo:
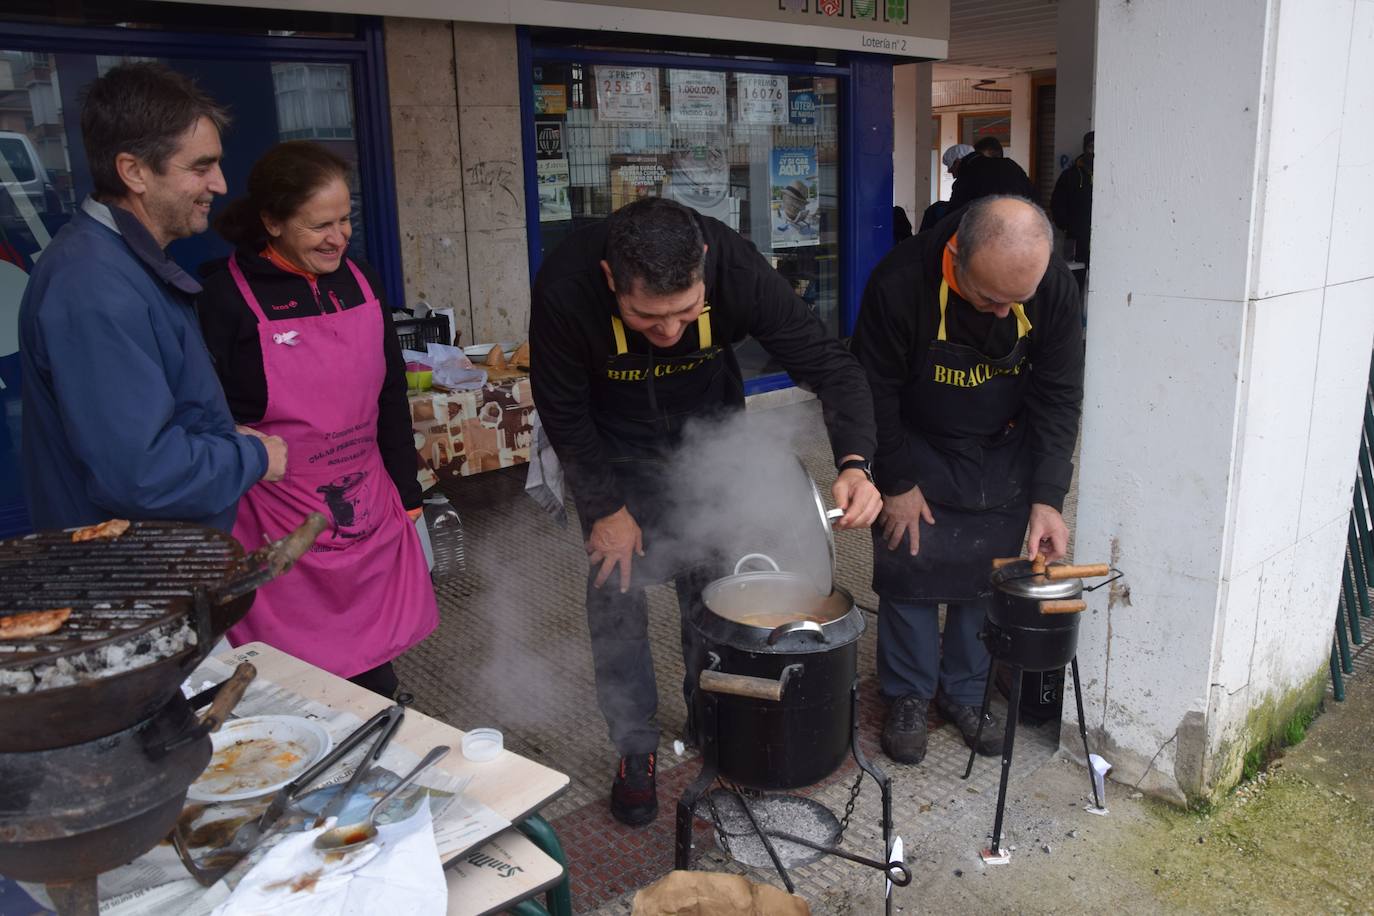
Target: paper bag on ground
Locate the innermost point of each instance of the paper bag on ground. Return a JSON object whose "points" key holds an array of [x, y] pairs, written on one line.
{"points": [[704, 893]]}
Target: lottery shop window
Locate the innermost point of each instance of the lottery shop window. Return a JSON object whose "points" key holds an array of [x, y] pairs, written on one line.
{"points": [[759, 151]]}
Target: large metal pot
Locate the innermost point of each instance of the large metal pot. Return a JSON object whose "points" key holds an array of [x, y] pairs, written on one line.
{"points": [[781, 661], [1032, 620]]}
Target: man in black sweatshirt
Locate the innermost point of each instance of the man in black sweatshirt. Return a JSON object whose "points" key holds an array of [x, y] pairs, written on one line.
{"points": [[631, 333], [971, 335]]}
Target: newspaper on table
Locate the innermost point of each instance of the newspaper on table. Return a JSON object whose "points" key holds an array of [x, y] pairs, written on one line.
{"points": [[157, 881]]}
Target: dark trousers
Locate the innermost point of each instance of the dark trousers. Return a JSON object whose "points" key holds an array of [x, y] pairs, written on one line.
{"points": [[914, 660], [381, 679], [626, 690]]}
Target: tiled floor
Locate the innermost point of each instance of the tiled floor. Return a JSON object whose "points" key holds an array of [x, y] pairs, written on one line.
{"points": [[512, 651]]}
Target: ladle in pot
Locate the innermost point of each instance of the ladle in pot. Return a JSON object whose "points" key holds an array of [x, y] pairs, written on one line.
{"points": [[351, 836]]}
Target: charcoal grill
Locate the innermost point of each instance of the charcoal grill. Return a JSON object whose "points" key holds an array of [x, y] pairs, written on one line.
{"points": [[146, 608], [97, 745]]}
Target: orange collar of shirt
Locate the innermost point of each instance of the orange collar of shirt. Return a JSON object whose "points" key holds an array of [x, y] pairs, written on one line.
{"points": [[281, 263], [947, 263]]}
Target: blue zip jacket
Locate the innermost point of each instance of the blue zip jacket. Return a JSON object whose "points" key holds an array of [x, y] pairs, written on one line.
{"points": [[123, 413]]}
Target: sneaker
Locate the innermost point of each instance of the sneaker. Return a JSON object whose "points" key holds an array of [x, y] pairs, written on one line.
{"points": [[634, 800], [965, 718], [904, 732]]}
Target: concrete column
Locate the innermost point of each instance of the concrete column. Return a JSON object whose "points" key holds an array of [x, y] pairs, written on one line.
{"points": [[1022, 104], [911, 139], [905, 133], [926, 180], [1233, 315], [1076, 59], [493, 180], [429, 169]]}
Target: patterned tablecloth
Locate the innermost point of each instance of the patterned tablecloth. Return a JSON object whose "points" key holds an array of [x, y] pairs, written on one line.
{"points": [[460, 433]]}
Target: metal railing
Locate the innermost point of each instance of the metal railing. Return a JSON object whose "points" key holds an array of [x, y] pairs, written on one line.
{"points": [[1354, 604]]}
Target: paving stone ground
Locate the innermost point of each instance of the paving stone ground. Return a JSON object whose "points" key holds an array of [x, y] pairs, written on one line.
{"points": [[512, 651]]}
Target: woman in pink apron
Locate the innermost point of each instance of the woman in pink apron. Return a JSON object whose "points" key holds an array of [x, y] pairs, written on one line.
{"points": [[304, 351]]}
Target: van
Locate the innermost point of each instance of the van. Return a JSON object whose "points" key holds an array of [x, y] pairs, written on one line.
{"points": [[26, 176]]}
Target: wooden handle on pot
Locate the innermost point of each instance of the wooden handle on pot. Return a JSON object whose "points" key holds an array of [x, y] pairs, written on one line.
{"points": [[1038, 564], [1005, 561], [1078, 572], [230, 692], [1068, 606], [741, 685]]}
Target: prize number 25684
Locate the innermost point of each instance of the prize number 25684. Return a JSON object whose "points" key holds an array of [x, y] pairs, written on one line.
{"points": [[626, 87]]}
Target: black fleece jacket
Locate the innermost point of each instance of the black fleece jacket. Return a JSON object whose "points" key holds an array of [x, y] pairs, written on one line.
{"points": [[571, 340], [899, 318], [231, 333]]}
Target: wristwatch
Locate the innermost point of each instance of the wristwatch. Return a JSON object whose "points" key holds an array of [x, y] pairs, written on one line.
{"points": [[859, 464]]}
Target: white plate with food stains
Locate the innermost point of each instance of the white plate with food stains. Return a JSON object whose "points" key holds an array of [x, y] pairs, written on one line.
{"points": [[259, 754]]}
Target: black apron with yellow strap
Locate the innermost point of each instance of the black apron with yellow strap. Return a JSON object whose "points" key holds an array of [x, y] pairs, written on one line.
{"points": [[640, 407], [966, 451], [645, 398]]}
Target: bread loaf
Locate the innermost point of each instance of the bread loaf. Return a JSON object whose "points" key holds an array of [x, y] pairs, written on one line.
{"points": [[496, 359]]}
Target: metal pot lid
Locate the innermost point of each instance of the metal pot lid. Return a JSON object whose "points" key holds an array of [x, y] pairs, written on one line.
{"points": [[810, 531], [1018, 579]]}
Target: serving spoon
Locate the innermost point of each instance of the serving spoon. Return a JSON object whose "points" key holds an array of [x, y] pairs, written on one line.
{"points": [[351, 836]]}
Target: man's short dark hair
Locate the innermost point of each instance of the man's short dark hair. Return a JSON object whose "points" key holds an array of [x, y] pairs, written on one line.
{"points": [[988, 146], [980, 226], [657, 244], [1088, 140], [140, 109]]}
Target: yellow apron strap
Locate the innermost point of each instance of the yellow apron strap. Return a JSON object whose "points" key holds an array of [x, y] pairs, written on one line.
{"points": [[704, 327], [618, 328], [1023, 324], [944, 300]]}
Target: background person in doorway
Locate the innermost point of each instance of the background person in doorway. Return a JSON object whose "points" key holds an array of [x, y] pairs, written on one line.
{"points": [[306, 350], [970, 335], [1072, 201], [982, 176], [632, 326], [123, 415], [953, 159]]}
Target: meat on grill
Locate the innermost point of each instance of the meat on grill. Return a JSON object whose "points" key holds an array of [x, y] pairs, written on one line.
{"points": [[33, 623]]}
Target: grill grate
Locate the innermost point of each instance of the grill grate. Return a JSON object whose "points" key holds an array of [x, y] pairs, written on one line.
{"points": [[116, 589]]}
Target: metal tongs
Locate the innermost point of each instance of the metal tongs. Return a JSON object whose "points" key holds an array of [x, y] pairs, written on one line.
{"points": [[247, 838]]}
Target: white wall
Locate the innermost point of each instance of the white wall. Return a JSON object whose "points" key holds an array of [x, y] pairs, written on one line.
{"points": [[1229, 345], [1076, 60]]}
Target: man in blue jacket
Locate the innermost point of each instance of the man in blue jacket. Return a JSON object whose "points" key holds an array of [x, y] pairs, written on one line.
{"points": [[123, 413]]}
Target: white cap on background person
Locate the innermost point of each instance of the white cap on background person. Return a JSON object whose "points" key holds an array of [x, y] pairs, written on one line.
{"points": [[955, 153]]}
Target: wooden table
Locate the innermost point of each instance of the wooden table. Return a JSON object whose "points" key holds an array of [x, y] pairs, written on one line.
{"points": [[512, 786]]}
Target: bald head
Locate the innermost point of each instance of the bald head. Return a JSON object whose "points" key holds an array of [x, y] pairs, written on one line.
{"points": [[1002, 252]]}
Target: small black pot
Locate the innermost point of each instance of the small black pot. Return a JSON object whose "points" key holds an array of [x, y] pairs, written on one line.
{"points": [[781, 661], [1018, 631]]}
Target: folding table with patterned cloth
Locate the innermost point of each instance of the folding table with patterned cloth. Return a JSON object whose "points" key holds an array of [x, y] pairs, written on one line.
{"points": [[461, 433]]}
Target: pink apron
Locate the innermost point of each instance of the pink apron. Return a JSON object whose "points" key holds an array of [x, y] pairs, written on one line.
{"points": [[362, 595]]}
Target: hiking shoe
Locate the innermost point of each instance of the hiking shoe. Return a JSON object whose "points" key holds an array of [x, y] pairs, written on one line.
{"points": [[965, 718], [904, 732], [634, 800]]}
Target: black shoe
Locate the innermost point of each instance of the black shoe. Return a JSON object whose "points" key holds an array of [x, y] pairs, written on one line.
{"points": [[904, 732], [965, 718], [634, 800]]}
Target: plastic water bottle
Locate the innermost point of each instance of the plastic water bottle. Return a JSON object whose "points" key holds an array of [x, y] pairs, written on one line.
{"points": [[445, 537]]}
